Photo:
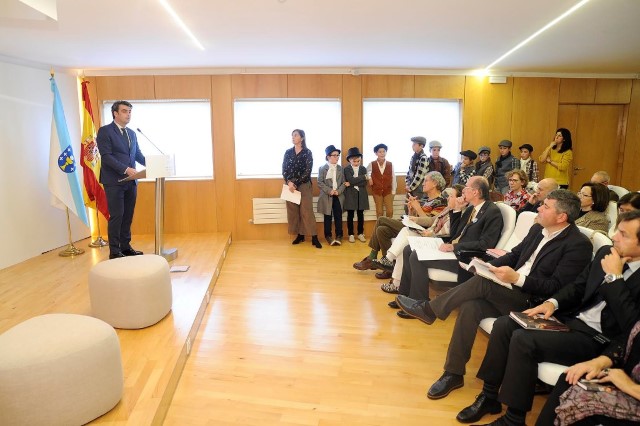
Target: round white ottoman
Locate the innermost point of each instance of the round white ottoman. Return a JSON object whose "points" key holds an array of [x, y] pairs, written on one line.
{"points": [[59, 369], [131, 292]]}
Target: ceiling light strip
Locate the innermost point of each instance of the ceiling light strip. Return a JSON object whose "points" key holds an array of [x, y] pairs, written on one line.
{"points": [[537, 33], [181, 23]]}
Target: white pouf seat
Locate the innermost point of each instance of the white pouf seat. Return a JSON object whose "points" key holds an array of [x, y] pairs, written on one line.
{"points": [[59, 369], [131, 292]]}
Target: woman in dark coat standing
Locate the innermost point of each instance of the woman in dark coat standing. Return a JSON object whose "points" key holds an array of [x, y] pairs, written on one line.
{"points": [[356, 198]]}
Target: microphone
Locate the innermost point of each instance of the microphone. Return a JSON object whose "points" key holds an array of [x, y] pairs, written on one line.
{"points": [[145, 136]]}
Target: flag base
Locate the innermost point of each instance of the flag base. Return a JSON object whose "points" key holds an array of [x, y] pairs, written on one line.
{"points": [[99, 242], [71, 251]]}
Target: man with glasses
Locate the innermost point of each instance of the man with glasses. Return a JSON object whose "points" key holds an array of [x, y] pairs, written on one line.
{"points": [[552, 254], [477, 228], [544, 187]]}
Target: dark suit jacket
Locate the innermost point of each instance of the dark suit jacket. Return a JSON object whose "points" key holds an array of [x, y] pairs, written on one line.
{"points": [[116, 155], [482, 233], [622, 297], [558, 263]]}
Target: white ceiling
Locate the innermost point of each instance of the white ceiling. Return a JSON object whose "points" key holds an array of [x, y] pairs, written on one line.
{"points": [[416, 36]]}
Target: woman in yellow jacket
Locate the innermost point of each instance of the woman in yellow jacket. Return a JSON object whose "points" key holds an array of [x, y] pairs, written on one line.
{"points": [[558, 157]]}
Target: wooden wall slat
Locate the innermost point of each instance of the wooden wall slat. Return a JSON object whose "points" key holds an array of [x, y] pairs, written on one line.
{"points": [[314, 86], [258, 86], [351, 113], [487, 113], [630, 175], [535, 112], [388, 86], [439, 86], [182, 86], [577, 90], [613, 91], [137, 87]]}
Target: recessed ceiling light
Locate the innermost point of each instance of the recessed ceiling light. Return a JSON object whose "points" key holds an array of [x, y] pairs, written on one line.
{"points": [[180, 23], [540, 31]]}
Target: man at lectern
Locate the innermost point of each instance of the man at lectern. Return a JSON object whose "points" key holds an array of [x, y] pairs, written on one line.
{"points": [[119, 150]]}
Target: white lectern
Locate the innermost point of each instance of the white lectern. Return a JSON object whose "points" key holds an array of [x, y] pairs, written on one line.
{"points": [[160, 167]]}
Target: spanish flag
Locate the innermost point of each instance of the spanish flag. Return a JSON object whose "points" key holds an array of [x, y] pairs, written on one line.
{"points": [[93, 193]]}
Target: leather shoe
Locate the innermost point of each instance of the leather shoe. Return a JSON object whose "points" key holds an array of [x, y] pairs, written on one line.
{"points": [[404, 315], [364, 265], [416, 308], [116, 255], [384, 275], [478, 409], [445, 384], [393, 305], [131, 252]]}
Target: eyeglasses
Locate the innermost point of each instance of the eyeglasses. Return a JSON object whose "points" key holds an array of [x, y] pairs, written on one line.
{"points": [[582, 194], [514, 180], [334, 155]]}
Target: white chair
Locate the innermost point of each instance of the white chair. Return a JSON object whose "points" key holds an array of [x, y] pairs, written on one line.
{"points": [[523, 225], [612, 214], [447, 278], [619, 190], [549, 372]]}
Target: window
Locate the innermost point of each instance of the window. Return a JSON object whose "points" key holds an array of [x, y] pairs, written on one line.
{"points": [[180, 127], [394, 122], [263, 132]]}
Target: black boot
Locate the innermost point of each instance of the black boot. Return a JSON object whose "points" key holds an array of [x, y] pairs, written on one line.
{"points": [[298, 240], [315, 241]]}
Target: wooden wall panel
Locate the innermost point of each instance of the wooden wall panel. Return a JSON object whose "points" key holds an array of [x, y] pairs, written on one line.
{"points": [[182, 86], [388, 86], [247, 190], [351, 113], [630, 176], [439, 86], [144, 217], [535, 112], [567, 118], [577, 91], [610, 91], [486, 113], [314, 86], [190, 206], [258, 86], [135, 87], [223, 152]]}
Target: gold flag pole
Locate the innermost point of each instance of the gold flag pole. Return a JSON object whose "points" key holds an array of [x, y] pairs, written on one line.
{"points": [[99, 241], [71, 250]]}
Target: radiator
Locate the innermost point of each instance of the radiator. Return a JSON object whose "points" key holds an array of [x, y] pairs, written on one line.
{"points": [[274, 210]]}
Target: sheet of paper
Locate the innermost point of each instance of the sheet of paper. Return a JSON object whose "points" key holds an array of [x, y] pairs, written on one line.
{"points": [[287, 195], [427, 248], [411, 224], [179, 268]]}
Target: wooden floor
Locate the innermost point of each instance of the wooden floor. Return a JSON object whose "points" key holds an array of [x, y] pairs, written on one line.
{"points": [[292, 335]]}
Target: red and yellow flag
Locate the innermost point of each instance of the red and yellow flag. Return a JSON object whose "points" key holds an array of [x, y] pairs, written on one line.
{"points": [[94, 195]]}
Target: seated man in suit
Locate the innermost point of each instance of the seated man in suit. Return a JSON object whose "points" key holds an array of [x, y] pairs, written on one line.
{"points": [[119, 152], [552, 254], [544, 187], [599, 306], [477, 228]]}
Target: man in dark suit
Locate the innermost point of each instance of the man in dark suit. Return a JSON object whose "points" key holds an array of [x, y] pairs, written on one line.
{"points": [[119, 150], [552, 254], [599, 306], [478, 228]]}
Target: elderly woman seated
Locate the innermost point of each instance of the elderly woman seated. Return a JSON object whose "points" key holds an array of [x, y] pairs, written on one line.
{"points": [[439, 228]]}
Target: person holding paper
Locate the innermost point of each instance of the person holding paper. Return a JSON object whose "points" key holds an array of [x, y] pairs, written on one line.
{"points": [[552, 254], [544, 187], [119, 150], [477, 228], [296, 171], [599, 306]]}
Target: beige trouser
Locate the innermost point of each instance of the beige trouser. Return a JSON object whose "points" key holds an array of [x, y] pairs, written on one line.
{"points": [[386, 202], [301, 219]]}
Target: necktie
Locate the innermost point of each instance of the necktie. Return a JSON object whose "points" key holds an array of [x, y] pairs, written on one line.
{"points": [[471, 216], [126, 136]]}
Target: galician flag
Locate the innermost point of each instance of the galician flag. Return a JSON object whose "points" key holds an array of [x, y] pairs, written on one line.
{"points": [[64, 182], [94, 195]]}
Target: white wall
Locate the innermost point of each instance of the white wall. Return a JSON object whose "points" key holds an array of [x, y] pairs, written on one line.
{"points": [[29, 225]]}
